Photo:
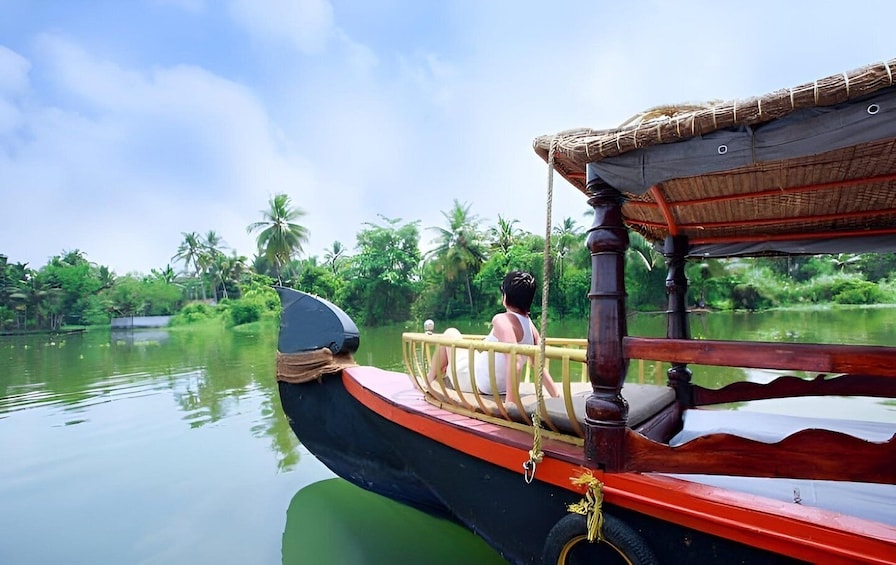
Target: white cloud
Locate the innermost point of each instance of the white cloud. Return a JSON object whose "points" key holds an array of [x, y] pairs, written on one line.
{"points": [[359, 58], [389, 110], [169, 150], [14, 84], [306, 24], [13, 72]]}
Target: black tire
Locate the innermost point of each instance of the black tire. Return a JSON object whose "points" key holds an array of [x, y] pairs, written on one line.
{"points": [[567, 544]]}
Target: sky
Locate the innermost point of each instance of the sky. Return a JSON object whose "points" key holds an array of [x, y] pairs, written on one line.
{"points": [[125, 125]]}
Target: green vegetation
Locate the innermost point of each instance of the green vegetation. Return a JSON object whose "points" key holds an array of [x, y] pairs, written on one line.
{"points": [[388, 279]]}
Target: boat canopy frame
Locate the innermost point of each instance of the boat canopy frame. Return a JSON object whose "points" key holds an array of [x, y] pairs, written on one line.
{"points": [[825, 188], [802, 170]]}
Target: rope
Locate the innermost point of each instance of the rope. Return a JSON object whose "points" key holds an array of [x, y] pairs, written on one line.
{"points": [[535, 454], [591, 505]]}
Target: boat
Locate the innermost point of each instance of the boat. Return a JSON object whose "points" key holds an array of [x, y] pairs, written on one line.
{"points": [[616, 471]]}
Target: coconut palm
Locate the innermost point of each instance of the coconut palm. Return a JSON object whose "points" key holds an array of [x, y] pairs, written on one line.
{"points": [[213, 243], [226, 269], [190, 252], [280, 238], [209, 254], [459, 249], [334, 256], [640, 250], [166, 275], [565, 236], [504, 235]]}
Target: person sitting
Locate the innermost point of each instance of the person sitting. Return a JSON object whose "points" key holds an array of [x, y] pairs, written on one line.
{"points": [[511, 326]]}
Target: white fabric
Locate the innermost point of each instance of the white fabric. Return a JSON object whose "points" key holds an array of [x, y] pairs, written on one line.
{"points": [[770, 428], [870, 501], [483, 379], [460, 362]]}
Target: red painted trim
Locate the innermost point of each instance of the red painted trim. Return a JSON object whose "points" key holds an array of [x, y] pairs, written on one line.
{"points": [[664, 208], [805, 533]]}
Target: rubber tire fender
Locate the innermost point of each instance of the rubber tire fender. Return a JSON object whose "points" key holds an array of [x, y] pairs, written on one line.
{"points": [[573, 529]]}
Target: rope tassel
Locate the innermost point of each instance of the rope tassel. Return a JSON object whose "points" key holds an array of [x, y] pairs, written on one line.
{"points": [[591, 505]]}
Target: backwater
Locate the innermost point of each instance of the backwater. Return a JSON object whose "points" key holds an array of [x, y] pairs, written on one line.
{"points": [[169, 446]]}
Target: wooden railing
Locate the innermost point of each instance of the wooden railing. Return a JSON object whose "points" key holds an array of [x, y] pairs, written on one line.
{"points": [[871, 359], [564, 358], [812, 453], [847, 370]]}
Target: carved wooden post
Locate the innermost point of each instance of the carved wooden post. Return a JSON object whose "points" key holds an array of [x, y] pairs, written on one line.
{"points": [[606, 411], [675, 249]]}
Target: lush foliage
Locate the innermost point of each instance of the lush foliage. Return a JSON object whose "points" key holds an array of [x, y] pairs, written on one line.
{"points": [[386, 279], [70, 290], [382, 279]]}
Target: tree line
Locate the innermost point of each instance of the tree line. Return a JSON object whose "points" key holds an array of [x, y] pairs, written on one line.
{"points": [[386, 278]]}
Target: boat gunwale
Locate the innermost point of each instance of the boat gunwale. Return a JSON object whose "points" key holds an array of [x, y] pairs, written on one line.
{"points": [[800, 531]]}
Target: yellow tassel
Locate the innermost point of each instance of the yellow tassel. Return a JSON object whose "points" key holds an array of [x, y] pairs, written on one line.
{"points": [[590, 506]]}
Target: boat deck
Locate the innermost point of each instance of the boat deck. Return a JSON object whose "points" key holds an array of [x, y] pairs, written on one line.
{"points": [[799, 511]]}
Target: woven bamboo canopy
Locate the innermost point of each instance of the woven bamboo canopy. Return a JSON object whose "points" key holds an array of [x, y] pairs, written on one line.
{"points": [[808, 169]]}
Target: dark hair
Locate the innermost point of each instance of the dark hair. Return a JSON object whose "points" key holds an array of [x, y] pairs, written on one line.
{"points": [[519, 290]]}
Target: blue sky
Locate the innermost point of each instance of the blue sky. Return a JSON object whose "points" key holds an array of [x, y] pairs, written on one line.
{"points": [[125, 123]]}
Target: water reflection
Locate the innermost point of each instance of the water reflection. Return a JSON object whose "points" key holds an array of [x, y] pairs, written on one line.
{"points": [[335, 522], [174, 441], [138, 337], [213, 373]]}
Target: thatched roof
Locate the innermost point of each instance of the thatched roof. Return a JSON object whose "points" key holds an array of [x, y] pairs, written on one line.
{"points": [[809, 169]]}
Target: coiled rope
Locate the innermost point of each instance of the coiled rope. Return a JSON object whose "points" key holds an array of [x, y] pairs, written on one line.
{"points": [[536, 455]]}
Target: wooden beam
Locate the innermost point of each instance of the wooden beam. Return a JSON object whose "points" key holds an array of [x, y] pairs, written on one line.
{"points": [[821, 358]]}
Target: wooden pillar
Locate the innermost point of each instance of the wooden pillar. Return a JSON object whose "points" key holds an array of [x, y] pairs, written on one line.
{"points": [[675, 249], [606, 412]]}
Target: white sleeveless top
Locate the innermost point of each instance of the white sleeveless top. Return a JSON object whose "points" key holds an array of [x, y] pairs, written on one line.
{"points": [[483, 380]]}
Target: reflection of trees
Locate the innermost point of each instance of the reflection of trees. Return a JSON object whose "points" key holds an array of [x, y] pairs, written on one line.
{"points": [[230, 367], [215, 374], [212, 373], [283, 440]]}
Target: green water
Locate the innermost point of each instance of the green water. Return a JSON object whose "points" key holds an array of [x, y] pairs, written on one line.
{"points": [[169, 447]]}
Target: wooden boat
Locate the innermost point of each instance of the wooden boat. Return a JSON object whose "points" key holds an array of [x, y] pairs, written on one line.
{"points": [[805, 170]]}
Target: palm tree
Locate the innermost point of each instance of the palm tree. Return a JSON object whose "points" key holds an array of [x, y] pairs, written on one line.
{"points": [[566, 234], [334, 256], [459, 249], [166, 275], [280, 238], [641, 250], [209, 254], [107, 276], [213, 243], [226, 269], [504, 235], [190, 252]]}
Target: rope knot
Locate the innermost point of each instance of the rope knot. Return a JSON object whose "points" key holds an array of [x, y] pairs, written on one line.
{"points": [[591, 505]]}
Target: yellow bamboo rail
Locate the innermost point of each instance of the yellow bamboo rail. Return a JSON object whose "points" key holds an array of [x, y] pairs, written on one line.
{"points": [[564, 358]]}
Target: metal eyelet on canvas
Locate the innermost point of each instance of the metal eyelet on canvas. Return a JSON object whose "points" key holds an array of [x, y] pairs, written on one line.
{"points": [[873, 109], [723, 149]]}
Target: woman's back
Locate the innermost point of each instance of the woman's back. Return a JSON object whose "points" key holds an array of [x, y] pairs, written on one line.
{"points": [[515, 321]]}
